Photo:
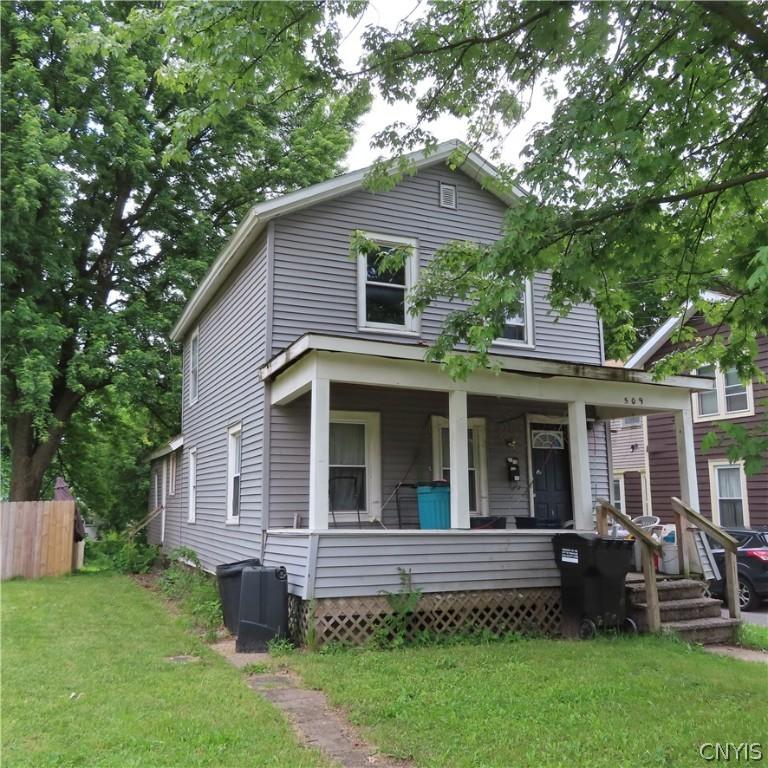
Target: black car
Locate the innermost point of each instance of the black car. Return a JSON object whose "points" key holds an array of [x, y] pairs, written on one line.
{"points": [[752, 564]]}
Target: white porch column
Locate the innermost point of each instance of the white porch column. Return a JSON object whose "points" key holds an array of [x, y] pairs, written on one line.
{"points": [[686, 457], [581, 483], [457, 438], [319, 445]]}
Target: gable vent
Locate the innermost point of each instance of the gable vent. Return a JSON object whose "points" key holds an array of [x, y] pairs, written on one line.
{"points": [[448, 196]]}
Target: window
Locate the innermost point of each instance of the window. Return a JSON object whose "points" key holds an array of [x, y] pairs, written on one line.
{"points": [[157, 492], [383, 294], [233, 474], [618, 492], [448, 196], [172, 474], [729, 398], [518, 327], [194, 366], [354, 471], [548, 439], [631, 421], [192, 511], [728, 487], [477, 478]]}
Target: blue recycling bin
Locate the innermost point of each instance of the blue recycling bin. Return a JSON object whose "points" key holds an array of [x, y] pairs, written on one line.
{"points": [[434, 503]]}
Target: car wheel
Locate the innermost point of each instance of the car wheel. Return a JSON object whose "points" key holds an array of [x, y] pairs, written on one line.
{"points": [[748, 599]]}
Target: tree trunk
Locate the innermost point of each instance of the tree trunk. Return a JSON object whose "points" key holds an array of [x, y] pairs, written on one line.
{"points": [[30, 458]]}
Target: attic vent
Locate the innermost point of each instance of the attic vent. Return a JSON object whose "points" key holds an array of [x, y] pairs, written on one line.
{"points": [[448, 196]]}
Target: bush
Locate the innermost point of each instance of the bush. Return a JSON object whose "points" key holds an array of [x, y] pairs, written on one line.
{"points": [[116, 551], [194, 590]]}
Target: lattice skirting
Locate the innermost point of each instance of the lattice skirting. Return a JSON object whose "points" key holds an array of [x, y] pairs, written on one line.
{"points": [[352, 620]]}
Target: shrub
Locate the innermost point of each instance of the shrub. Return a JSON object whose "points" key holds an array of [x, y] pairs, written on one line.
{"points": [[116, 551], [194, 590]]}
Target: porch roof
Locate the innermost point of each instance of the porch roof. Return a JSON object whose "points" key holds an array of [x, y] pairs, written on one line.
{"points": [[311, 342]]}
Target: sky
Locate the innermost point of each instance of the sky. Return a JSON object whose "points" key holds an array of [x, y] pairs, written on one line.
{"points": [[387, 13]]}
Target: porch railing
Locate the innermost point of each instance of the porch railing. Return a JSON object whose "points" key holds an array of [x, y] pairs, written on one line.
{"points": [[649, 545], [685, 517]]}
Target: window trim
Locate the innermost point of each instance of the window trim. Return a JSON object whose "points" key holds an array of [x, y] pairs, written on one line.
{"points": [[529, 342], [192, 508], [412, 324], [172, 474], [235, 429], [371, 420], [621, 506], [194, 367], [722, 412], [478, 424], [714, 490]]}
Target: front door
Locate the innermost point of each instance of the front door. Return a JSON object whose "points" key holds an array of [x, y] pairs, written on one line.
{"points": [[551, 467]]}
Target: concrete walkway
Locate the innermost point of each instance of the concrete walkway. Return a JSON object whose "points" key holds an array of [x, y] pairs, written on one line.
{"points": [[737, 652], [316, 723]]}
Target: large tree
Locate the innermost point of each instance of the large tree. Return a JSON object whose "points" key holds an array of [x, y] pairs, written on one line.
{"points": [[649, 184], [134, 137]]}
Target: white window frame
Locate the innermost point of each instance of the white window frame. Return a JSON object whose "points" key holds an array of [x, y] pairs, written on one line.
{"points": [[412, 323], [528, 342], [620, 503], [371, 420], [194, 367], [172, 474], [714, 491], [157, 490], [192, 509], [722, 412], [477, 424], [236, 430]]}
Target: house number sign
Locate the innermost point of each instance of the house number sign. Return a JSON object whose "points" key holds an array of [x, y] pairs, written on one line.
{"points": [[633, 400]]}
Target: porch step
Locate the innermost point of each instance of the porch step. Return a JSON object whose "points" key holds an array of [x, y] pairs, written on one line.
{"points": [[704, 631], [687, 609], [668, 589]]}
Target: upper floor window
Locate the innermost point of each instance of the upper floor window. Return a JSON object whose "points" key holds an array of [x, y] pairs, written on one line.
{"points": [[194, 366], [383, 290], [233, 473], [631, 421], [518, 327], [729, 399]]}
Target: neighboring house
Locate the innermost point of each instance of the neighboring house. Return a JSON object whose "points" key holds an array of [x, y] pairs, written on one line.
{"points": [[631, 490], [726, 494], [308, 410]]}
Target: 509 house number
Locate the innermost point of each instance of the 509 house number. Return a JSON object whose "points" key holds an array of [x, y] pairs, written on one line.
{"points": [[633, 400]]}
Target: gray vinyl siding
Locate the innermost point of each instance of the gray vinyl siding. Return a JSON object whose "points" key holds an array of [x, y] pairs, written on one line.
{"points": [[173, 503], [155, 476], [232, 334], [315, 280], [354, 563], [406, 449]]}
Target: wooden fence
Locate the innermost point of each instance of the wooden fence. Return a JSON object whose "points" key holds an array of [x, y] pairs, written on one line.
{"points": [[36, 538]]}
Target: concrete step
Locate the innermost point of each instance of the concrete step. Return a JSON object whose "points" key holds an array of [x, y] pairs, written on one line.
{"points": [[671, 589], [679, 610], [704, 631]]}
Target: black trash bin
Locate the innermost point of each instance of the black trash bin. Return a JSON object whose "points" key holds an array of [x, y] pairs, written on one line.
{"points": [[263, 608], [593, 570], [228, 577]]}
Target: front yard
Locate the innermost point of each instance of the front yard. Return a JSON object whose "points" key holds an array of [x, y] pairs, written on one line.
{"points": [[87, 682]]}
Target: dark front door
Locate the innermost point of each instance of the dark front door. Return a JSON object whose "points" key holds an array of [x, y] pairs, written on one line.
{"points": [[551, 473]]}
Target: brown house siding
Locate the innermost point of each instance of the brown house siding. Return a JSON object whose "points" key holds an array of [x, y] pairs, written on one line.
{"points": [[662, 448], [633, 494]]}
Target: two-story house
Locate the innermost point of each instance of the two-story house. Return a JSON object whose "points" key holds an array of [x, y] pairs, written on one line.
{"points": [[726, 494], [309, 412]]}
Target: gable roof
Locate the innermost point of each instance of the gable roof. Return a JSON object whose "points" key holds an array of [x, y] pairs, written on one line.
{"points": [[662, 334], [474, 166]]}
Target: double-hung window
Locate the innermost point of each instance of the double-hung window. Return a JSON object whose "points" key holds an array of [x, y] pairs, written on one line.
{"points": [[194, 366], [728, 489], [233, 473], [618, 492], [354, 471], [730, 398], [518, 325], [192, 510], [383, 302], [477, 479]]}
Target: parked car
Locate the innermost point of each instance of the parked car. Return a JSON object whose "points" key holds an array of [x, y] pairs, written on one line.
{"points": [[752, 564]]}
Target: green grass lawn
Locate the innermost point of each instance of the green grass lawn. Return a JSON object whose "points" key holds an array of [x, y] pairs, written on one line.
{"points": [[85, 682], [753, 636], [610, 702]]}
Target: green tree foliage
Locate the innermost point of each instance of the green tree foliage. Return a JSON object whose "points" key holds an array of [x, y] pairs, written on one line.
{"points": [[649, 184], [135, 135]]}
